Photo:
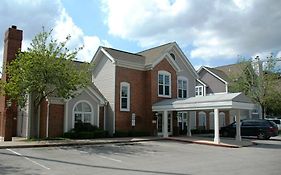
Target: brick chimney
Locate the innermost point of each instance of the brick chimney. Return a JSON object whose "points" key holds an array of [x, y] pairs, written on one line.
{"points": [[8, 110]]}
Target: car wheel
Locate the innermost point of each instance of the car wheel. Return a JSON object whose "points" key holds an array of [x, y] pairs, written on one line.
{"points": [[225, 134], [261, 135]]}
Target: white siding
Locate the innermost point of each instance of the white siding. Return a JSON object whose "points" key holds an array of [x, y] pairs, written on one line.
{"points": [[188, 74], [104, 79]]}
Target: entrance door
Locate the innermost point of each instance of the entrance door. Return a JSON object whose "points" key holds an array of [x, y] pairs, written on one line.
{"points": [[160, 123], [182, 122]]}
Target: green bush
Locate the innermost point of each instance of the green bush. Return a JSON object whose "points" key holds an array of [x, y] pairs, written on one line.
{"points": [[85, 131]]}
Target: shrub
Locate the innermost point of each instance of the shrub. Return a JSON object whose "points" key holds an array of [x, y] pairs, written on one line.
{"points": [[85, 131]]}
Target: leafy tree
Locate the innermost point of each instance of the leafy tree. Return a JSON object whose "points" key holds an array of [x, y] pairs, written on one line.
{"points": [[261, 82], [47, 68]]}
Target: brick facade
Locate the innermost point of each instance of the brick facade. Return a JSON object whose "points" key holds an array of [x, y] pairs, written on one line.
{"points": [[101, 117], [136, 79], [8, 114], [56, 120], [143, 94]]}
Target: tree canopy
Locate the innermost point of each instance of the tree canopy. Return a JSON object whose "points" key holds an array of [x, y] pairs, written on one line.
{"points": [[47, 68], [260, 80]]}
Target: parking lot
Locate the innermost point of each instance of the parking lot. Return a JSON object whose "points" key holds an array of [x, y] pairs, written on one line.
{"points": [[155, 157]]}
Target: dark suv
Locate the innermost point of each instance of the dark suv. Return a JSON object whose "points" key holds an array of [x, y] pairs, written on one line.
{"points": [[263, 129]]}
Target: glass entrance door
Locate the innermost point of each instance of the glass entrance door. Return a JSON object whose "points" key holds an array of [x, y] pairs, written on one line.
{"points": [[160, 123]]}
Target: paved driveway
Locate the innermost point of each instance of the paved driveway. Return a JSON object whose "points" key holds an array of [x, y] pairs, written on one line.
{"points": [[157, 157]]}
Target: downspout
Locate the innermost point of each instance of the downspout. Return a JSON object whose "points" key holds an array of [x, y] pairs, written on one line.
{"points": [[104, 115], [28, 116]]}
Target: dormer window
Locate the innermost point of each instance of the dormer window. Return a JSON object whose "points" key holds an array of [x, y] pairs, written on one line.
{"points": [[199, 91], [173, 56]]}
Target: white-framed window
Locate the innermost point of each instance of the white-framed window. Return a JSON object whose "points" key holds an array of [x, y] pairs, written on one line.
{"points": [[124, 96], [164, 84], [199, 91], [83, 113], [182, 88]]}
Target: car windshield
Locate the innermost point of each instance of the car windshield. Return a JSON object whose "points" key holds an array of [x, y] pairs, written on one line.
{"points": [[272, 123]]}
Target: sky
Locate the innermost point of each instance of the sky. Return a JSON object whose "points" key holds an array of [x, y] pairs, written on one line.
{"points": [[209, 32]]}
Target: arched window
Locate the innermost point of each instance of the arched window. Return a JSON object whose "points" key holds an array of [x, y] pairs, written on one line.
{"points": [[83, 113], [222, 119], [173, 56], [202, 120], [124, 96]]}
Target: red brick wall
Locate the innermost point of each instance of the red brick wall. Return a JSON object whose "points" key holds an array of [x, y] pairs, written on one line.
{"points": [[152, 92], [144, 93], [101, 117], [12, 44], [43, 119], [136, 79], [56, 120]]}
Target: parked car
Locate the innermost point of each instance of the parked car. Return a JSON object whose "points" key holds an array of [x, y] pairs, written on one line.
{"points": [[263, 129], [276, 121]]}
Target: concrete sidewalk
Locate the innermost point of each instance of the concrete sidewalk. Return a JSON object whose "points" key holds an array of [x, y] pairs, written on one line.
{"points": [[224, 142], [23, 143]]}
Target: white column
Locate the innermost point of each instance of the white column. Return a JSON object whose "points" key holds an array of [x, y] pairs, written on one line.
{"points": [[165, 127], [188, 122], [238, 126], [216, 125]]}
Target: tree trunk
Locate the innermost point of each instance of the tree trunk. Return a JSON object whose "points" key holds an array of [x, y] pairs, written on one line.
{"points": [[262, 111], [36, 118]]}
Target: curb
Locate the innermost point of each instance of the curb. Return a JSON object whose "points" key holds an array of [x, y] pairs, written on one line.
{"points": [[205, 143], [77, 143]]}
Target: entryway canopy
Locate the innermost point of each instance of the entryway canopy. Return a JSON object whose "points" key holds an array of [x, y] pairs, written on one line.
{"points": [[216, 102]]}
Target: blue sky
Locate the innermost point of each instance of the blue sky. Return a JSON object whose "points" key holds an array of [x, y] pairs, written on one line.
{"points": [[210, 32]]}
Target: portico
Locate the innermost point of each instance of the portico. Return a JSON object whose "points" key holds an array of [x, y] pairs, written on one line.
{"points": [[217, 102]]}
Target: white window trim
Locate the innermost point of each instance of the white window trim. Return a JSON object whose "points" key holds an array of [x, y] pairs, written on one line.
{"points": [[126, 84], [199, 87], [92, 112], [183, 79], [170, 83]]}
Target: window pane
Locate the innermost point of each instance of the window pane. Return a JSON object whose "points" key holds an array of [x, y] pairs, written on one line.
{"points": [[124, 103], [78, 118], [184, 86], [161, 90], [167, 90], [86, 107], [124, 91], [160, 79], [180, 84], [167, 80], [180, 93], [78, 107], [87, 118], [184, 95]]}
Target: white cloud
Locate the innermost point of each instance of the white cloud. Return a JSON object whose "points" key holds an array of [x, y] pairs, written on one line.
{"points": [[65, 26], [211, 29], [30, 16]]}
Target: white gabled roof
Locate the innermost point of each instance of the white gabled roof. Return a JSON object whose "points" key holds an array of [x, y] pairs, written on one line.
{"points": [[220, 101]]}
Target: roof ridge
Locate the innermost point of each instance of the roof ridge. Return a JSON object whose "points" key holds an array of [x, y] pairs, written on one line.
{"points": [[122, 51], [156, 47]]}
